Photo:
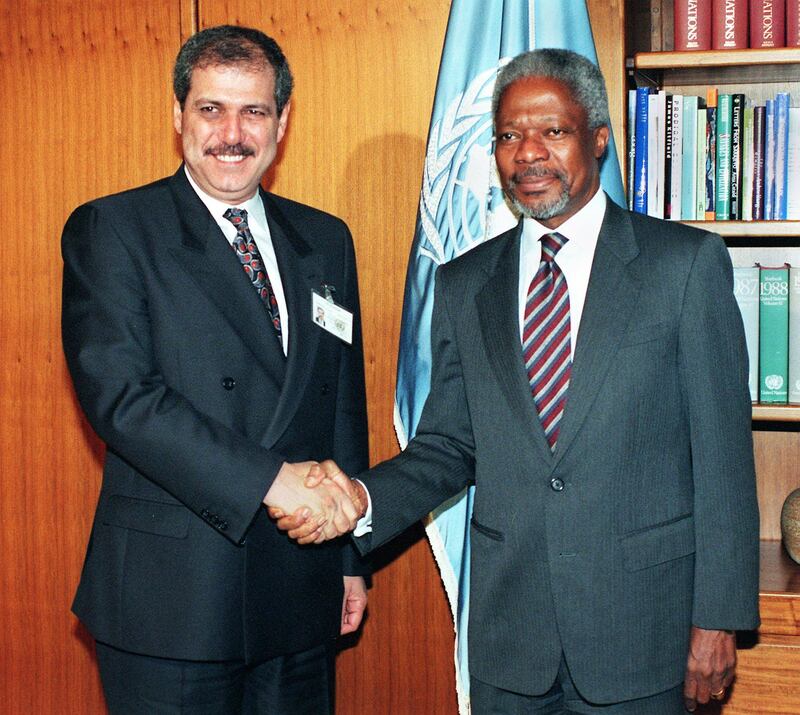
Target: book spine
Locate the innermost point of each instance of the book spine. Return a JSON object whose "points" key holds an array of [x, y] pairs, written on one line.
{"points": [[773, 343], [793, 167], [769, 160], [640, 159], [759, 154], [794, 335], [700, 197], [723, 204], [689, 183], [711, 153], [767, 27], [747, 165], [631, 147], [677, 157], [737, 106], [667, 190], [746, 291], [781, 153], [692, 25], [729, 24], [793, 23], [661, 152], [653, 137]]}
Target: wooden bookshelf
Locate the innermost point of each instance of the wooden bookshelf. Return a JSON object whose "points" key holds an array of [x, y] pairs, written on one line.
{"points": [[750, 229], [717, 58], [777, 413]]}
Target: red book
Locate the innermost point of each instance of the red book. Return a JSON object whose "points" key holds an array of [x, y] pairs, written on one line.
{"points": [[793, 23], [729, 25], [692, 24], [767, 28]]}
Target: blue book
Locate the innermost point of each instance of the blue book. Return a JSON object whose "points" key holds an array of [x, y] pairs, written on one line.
{"points": [[640, 156], [781, 154], [769, 160], [689, 164]]}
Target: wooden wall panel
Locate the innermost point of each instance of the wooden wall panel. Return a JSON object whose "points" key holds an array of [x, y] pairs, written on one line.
{"points": [[86, 103]]}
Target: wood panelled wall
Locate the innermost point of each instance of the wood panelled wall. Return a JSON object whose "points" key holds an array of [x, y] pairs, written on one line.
{"points": [[86, 88]]}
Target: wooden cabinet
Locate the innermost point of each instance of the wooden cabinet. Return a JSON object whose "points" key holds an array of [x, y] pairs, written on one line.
{"points": [[768, 679]]}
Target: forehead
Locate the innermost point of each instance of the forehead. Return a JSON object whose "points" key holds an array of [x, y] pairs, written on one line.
{"points": [[538, 97], [233, 81]]}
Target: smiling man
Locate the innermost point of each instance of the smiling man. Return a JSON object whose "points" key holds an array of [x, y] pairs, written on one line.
{"points": [[188, 328], [590, 379]]}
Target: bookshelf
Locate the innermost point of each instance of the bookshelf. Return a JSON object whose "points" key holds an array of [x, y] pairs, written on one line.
{"points": [[768, 677]]}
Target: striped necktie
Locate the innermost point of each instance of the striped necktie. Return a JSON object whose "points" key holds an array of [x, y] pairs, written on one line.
{"points": [[546, 338]]}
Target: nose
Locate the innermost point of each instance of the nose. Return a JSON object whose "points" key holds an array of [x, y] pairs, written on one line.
{"points": [[232, 129], [531, 149]]}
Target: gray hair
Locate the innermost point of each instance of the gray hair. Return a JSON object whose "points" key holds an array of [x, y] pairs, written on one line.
{"points": [[580, 75], [229, 45]]}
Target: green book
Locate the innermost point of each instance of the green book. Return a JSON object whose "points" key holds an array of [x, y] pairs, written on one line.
{"points": [[722, 206], [700, 165], [773, 342]]}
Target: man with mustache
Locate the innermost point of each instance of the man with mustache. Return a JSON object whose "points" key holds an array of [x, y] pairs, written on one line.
{"points": [[590, 379], [188, 330]]}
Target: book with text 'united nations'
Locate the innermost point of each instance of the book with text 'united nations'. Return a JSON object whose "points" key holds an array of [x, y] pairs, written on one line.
{"points": [[759, 154], [794, 335], [773, 342], [746, 292], [692, 24], [793, 23], [689, 184], [723, 203], [767, 27], [728, 24], [641, 152], [737, 108]]}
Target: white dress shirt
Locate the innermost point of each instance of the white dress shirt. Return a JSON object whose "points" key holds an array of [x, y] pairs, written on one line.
{"points": [[257, 221]]}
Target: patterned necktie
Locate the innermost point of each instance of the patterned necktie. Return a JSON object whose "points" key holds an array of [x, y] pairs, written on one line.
{"points": [[546, 338], [250, 258]]}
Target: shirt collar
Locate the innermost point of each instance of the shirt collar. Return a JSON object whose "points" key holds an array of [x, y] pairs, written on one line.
{"points": [[254, 205], [586, 222]]}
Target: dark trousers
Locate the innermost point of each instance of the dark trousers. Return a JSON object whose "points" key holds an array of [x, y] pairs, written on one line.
{"points": [[296, 684], [564, 699]]}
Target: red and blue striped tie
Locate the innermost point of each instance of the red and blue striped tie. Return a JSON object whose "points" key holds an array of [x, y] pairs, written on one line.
{"points": [[546, 338]]}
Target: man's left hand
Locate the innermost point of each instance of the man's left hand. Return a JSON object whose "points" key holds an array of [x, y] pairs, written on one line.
{"points": [[710, 667], [354, 603]]}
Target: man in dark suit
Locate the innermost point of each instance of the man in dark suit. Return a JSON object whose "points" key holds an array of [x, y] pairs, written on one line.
{"points": [[590, 379], [188, 330]]}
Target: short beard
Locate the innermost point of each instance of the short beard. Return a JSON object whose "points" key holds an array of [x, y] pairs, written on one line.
{"points": [[545, 209]]}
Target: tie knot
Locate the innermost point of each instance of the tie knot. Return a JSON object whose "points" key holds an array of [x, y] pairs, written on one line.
{"points": [[238, 217], [551, 244]]}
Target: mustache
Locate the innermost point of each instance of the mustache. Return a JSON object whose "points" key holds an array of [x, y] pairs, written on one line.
{"points": [[536, 171], [230, 150]]}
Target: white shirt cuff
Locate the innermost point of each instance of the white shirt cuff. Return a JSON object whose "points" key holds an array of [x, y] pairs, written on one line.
{"points": [[364, 524]]}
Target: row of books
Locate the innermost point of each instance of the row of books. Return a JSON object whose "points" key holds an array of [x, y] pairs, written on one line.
{"points": [[716, 158], [736, 24], [769, 300]]}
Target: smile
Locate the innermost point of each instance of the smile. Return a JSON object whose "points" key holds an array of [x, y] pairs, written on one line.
{"points": [[230, 158]]}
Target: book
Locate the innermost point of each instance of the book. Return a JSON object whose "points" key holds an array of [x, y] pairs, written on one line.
{"points": [[759, 152], [692, 25], [676, 177], [711, 153], [793, 23], [700, 197], [767, 23], [656, 120], [794, 335], [728, 24], [747, 164], [773, 341], [781, 154], [723, 203], [793, 167], [689, 168], [629, 184], [640, 156], [769, 160], [667, 192], [737, 106], [746, 291]]}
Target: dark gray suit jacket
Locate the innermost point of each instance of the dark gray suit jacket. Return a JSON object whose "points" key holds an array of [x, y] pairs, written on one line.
{"points": [[656, 527], [178, 369]]}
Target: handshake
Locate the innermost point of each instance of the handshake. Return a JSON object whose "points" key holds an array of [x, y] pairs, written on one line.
{"points": [[314, 502]]}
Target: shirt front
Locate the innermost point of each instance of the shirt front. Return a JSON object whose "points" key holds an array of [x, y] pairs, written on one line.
{"points": [[257, 221]]}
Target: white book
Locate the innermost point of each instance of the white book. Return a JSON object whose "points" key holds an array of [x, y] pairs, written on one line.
{"points": [[654, 123], [677, 156], [747, 164], [661, 149], [794, 335], [793, 166], [746, 291]]}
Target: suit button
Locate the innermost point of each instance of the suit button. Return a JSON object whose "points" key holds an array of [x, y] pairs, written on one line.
{"points": [[556, 484], [228, 383], [222, 526], [325, 389], [204, 513]]}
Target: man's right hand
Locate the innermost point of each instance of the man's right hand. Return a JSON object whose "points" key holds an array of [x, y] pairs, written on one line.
{"points": [[301, 524], [320, 508]]}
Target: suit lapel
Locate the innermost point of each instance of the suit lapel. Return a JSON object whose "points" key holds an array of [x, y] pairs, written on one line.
{"points": [[498, 312], [610, 300], [301, 271], [207, 257]]}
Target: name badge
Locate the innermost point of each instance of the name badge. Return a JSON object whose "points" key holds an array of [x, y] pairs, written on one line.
{"points": [[330, 316]]}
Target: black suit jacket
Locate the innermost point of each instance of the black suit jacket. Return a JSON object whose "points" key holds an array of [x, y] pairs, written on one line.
{"points": [[177, 367], [644, 521]]}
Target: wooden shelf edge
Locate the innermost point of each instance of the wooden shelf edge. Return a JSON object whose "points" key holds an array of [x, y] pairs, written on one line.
{"points": [[776, 413], [789, 229], [715, 58]]}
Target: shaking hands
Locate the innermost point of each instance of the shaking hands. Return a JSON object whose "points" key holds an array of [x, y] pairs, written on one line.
{"points": [[315, 502]]}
